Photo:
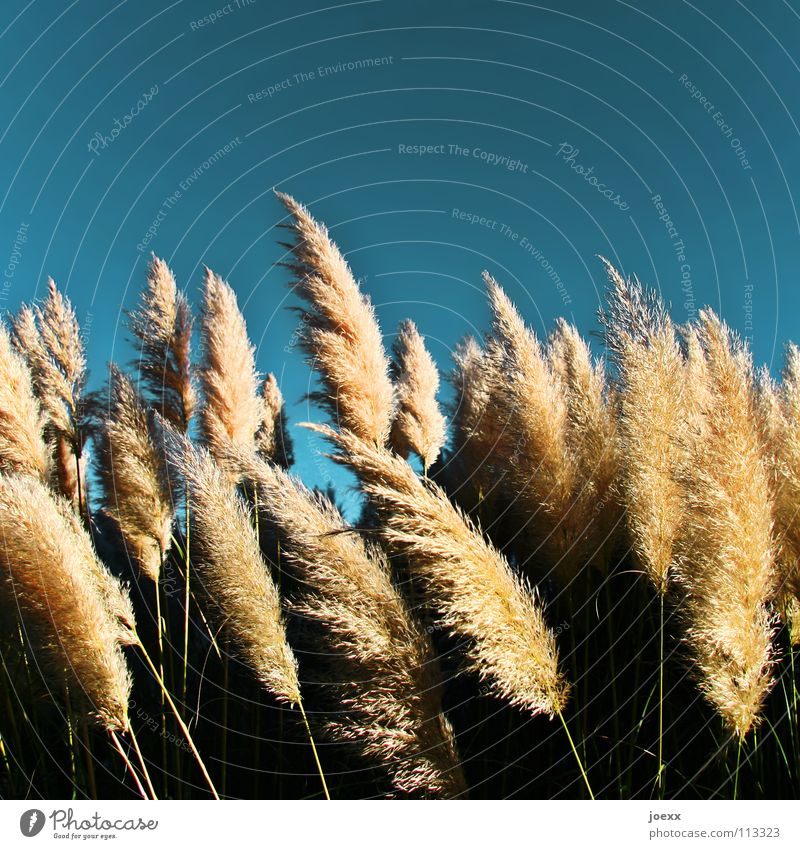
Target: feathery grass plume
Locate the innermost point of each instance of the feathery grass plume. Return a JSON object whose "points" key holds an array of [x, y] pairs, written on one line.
{"points": [[273, 441], [468, 583], [163, 326], [226, 558], [133, 475], [50, 574], [779, 413], [476, 425], [340, 332], [48, 338], [22, 445], [652, 380], [418, 425], [231, 412], [591, 430], [724, 550], [541, 472], [382, 662]]}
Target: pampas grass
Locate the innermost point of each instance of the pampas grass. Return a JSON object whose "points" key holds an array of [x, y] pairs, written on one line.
{"points": [[231, 413], [273, 441], [54, 582], [163, 327], [680, 442], [419, 425], [476, 427], [382, 663], [591, 435], [340, 332], [48, 338], [133, 476], [779, 407], [227, 560], [468, 584], [22, 445], [724, 551], [650, 372], [541, 472]]}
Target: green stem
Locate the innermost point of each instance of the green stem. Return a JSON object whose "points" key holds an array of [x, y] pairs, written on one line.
{"points": [[179, 719], [186, 598], [142, 764], [575, 752], [128, 764], [225, 689], [164, 760], [738, 761], [314, 749], [88, 758]]}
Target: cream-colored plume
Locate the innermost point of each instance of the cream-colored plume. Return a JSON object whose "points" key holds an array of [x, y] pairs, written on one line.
{"points": [[163, 326], [22, 445], [467, 583], [231, 413], [382, 663], [419, 425], [724, 549], [74, 612], [340, 332], [133, 475]]}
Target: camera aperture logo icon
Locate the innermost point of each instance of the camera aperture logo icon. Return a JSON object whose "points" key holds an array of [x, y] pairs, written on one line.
{"points": [[32, 822]]}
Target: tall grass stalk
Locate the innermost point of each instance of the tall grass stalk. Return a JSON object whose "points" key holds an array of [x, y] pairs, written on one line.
{"points": [[575, 752]]}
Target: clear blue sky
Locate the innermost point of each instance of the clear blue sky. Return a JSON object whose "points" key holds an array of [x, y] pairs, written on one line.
{"points": [[550, 130]]}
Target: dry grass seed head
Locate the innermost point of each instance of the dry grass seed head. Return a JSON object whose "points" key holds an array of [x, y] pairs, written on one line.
{"points": [[134, 476], [467, 582], [389, 685], [725, 551], [652, 419], [273, 441], [419, 425], [231, 413], [226, 557], [22, 445], [69, 604], [163, 326], [340, 332]]}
